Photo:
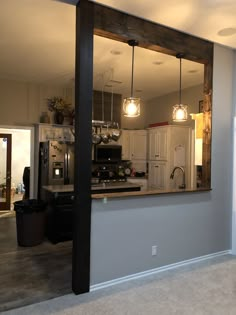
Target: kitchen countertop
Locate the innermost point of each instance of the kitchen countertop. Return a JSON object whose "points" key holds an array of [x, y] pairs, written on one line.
{"points": [[70, 188], [94, 187]]}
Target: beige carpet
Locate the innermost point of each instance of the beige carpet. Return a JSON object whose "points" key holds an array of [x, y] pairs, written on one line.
{"points": [[206, 288]]}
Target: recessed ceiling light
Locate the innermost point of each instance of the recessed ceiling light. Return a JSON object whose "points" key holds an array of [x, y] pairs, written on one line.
{"points": [[157, 63], [229, 31], [115, 52]]}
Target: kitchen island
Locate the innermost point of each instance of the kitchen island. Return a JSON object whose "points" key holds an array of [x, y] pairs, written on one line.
{"points": [[60, 206]]}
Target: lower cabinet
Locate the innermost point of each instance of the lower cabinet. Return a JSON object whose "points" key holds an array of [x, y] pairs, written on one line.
{"points": [[59, 217], [157, 175], [139, 181]]}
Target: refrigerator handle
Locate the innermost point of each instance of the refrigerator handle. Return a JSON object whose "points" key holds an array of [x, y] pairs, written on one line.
{"points": [[66, 175]]}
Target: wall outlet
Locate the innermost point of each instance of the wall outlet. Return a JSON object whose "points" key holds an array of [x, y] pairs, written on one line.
{"points": [[154, 250]]}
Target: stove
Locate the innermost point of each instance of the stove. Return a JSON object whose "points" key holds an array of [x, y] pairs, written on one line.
{"points": [[113, 180], [109, 174]]}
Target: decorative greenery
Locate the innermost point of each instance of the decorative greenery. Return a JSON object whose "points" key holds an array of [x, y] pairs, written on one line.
{"points": [[57, 104]]}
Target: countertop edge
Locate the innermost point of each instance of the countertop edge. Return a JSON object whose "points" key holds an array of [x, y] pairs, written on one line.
{"points": [[147, 193]]}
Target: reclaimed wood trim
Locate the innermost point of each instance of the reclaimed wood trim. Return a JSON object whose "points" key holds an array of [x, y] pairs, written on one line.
{"points": [[121, 26]]}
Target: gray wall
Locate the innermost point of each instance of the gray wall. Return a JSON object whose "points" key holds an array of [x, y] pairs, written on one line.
{"points": [[183, 226], [160, 108], [23, 102]]}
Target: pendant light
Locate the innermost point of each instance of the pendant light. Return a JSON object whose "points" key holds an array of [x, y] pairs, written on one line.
{"points": [[180, 112], [131, 105]]}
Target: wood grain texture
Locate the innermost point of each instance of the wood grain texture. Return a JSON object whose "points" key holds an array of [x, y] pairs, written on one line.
{"points": [[120, 26]]}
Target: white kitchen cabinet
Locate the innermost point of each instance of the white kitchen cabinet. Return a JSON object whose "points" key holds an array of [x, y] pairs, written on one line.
{"points": [[169, 146], [138, 144], [45, 132], [157, 171], [124, 141], [157, 144], [134, 144], [139, 181]]}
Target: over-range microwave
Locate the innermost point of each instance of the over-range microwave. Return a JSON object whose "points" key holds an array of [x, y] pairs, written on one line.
{"points": [[107, 153]]}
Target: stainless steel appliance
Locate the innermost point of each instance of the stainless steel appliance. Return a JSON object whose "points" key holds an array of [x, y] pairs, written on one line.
{"points": [[109, 173], [107, 153], [56, 163]]}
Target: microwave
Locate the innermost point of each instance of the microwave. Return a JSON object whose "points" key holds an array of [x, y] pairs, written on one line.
{"points": [[107, 153]]}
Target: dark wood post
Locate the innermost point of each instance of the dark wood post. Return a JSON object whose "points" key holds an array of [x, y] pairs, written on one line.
{"points": [[83, 147]]}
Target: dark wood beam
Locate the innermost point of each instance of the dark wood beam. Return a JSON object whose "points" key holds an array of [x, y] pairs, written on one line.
{"points": [[83, 147], [120, 26]]}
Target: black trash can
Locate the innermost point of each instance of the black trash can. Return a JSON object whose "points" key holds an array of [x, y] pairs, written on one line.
{"points": [[30, 221]]}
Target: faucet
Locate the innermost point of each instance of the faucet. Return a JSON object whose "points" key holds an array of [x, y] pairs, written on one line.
{"points": [[183, 186]]}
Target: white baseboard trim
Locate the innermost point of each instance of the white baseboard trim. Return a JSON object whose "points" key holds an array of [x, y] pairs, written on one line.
{"points": [[106, 284]]}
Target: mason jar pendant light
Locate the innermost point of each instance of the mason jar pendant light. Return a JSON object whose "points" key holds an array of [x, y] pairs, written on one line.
{"points": [[180, 112], [131, 105]]}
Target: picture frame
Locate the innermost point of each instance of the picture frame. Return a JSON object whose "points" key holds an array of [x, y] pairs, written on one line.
{"points": [[201, 106]]}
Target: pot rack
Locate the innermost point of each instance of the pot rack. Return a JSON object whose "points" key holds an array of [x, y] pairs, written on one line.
{"points": [[105, 124]]}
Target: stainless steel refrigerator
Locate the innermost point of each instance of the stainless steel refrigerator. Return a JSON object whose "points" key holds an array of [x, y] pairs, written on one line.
{"points": [[56, 165]]}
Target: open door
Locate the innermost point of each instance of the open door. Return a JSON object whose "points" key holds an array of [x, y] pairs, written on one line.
{"points": [[5, 171]]}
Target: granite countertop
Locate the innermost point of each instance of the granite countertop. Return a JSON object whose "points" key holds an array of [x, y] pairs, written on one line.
{"points": [[106, 194], [94, 187]]}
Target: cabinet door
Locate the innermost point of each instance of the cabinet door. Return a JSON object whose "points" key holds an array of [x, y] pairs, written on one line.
{"points": [[138, 144], [158, 144], [124, 141], [140, 165], [157, 175], [139, 181]]}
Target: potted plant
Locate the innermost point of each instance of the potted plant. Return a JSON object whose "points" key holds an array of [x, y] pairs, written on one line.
{"points": [[60, 108]]}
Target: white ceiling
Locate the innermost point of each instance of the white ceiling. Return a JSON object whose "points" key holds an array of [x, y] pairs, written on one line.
{"points": [[38, 43]]}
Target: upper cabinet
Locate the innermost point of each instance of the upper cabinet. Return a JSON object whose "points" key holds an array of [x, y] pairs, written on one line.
{"points": [[169, 142], [169, 147], [138, 144], [134, 144], [46, 132], [157, 144]]}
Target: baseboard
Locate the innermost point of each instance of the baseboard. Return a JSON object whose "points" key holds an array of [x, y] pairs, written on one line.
{"points": [[157, 270]]}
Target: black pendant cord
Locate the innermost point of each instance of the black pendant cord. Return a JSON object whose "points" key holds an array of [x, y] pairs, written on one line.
{"points": [[112, 103], [180, 56], [132, 73], [133, 43], [180, 81]]}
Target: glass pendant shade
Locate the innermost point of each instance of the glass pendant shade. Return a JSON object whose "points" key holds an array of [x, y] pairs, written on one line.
{"points": [[131, 107], [180, 113]]}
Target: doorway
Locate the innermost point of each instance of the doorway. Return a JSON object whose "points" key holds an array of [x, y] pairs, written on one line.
{"points": [[16, 146], [5, 170]]}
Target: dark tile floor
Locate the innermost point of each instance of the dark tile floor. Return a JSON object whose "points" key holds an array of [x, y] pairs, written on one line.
{"points": [[31, 274]]}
